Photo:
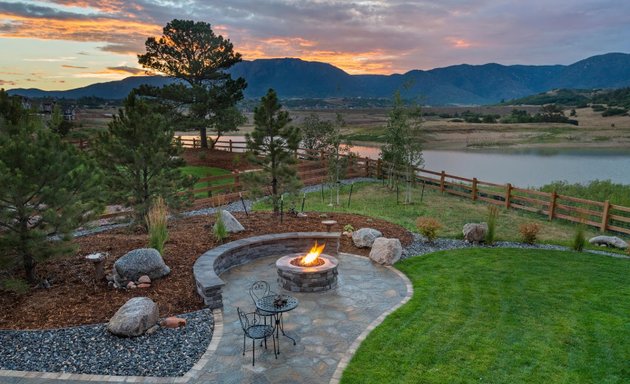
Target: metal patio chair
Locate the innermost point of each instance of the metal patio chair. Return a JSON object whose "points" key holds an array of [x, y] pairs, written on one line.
{"points": [[255, 330]]}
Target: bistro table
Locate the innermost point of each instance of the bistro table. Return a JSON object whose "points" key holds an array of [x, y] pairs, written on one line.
{"points": [[268, 304]]}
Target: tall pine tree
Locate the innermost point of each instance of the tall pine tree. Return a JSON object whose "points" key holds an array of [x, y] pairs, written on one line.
{"points": [[140, 158], [47, 187], [272, 145]]}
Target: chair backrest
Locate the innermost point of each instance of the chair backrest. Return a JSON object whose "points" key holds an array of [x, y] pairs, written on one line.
{"points": [[242, 316], [258, 290]]}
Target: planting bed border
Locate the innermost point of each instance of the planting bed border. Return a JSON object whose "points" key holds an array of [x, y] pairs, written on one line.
{"points": [[214, 262]]}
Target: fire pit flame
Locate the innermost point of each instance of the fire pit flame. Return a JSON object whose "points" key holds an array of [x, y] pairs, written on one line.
{"points": [[313, 254]]}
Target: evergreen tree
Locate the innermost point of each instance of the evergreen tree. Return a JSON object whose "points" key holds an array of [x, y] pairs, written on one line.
{"points": [[191, 51], [47, 187], [403, 144], [140, 158], [272, 145]]}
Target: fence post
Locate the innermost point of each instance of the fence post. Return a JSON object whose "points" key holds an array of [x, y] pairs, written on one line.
{"points": [[230, 145], [508, 192], [209, 184], [474, 189], [442, 176], [194, 142], [552, 205], [604, 224], [379, 169], [367, 166]]}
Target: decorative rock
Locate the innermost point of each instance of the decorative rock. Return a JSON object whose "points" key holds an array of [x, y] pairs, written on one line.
{"points": [[231, 224], [475, 232], [609, 241], [131, 285], [173, 322], [144, 285], [152, 330], [135, 317], [386, 251], [302, 214], [139, 262], [364, 237], [144, 279], [347, 233]]}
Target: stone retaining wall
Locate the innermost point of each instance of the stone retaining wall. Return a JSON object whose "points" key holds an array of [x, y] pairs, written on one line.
{"points": [[214, 262]]}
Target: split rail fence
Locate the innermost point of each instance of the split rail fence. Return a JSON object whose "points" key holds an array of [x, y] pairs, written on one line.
{"points": [[312, 169]]}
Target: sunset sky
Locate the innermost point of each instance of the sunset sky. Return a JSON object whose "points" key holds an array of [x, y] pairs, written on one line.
{"points": [[65, 44]]}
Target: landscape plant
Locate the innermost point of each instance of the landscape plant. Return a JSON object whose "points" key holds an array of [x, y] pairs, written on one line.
{"points": [[493, 215], [141, 160], [348, 228], [219, 230], [529, 232], [192, 52], [579, 239], [157, 222], [272, 146], [428, 227], [47, 187]]}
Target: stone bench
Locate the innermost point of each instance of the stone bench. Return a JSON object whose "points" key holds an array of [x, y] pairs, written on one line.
{"points": [[214, 262]]}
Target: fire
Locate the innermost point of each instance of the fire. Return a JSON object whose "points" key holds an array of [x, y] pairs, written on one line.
{"points": [[313, 254]]}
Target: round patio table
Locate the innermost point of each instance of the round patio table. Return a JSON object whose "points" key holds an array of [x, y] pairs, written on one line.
{"points": [[267, 304]]}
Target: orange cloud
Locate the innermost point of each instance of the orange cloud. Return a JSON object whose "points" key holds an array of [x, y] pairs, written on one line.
{"points": [[458, 43]]}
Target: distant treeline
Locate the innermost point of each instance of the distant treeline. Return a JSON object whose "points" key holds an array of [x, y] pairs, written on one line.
{"points": [[549, 114]]}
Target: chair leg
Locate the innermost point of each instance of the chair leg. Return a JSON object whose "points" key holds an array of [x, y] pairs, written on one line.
{"points": [[253, 352], [265, 343], [274, 346], [243, 344]]}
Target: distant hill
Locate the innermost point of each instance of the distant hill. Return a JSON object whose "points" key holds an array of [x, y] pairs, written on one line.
{"points": [[459, 84]]}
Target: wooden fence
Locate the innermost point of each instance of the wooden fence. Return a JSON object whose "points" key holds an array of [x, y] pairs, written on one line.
{"points": [[312, 169]]}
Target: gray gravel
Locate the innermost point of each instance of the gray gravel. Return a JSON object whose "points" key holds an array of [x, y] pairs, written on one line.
{"points": [[90, 349], [420, 247]]}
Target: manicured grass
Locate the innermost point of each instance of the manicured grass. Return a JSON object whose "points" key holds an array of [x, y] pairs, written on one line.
{"points": [[372, 199], [504, 316], [201, 172]]}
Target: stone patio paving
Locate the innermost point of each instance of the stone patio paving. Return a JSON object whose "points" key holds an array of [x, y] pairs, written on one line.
{"points": [[328, 327]]}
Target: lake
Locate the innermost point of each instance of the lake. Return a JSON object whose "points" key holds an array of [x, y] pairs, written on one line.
{"points": [[523, 168]]}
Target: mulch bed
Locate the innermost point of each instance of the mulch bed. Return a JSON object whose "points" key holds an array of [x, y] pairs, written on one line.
{"points": [[75, 298]]}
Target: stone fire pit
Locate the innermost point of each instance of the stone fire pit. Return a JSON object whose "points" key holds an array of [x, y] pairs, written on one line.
{"points": [[296, 278]]}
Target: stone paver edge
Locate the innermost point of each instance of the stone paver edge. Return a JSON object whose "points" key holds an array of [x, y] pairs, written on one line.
{"points": [[343, 363], [192, 374]]}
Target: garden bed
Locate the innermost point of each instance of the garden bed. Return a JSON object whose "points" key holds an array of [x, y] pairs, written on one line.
{"points": [[74, 298]]}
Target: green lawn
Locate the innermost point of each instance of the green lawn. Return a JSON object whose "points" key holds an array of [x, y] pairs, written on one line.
{"points": [[202, 172], [372, 199], [504, 316]]}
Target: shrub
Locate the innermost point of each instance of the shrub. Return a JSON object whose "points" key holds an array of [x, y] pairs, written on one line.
{"points": [[529, 232], [428, 227], [348, 228], [493, 214], [219, 230], [579, 238], [156, 221], [15, 285]]}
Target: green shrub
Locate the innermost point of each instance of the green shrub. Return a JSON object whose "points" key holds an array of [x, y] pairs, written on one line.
{"points": [[15, 285], [529, 232], [348, 228], [219, 230], [493, 214], [428, 227], [157, 220], [579, 238]]}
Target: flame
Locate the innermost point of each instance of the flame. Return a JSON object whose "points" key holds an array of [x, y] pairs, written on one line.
{"points": [[313, 254]]}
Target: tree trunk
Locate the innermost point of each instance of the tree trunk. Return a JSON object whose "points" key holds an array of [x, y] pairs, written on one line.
{"points": [[204, 138], [274, 194], [27, 259]]}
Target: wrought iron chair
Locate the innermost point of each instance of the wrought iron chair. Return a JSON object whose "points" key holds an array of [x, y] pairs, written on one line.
{"points": [[252, 328], [257, 291]]}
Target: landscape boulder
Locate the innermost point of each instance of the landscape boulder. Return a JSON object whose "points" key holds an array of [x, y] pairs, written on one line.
{"points": [[364, 237], [231, 224], [475, 232], [609, 241], [386, 251], [134, 318], [139, 262]]}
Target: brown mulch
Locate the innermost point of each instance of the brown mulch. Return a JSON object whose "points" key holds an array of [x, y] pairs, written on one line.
{"points": [[75, 299]]}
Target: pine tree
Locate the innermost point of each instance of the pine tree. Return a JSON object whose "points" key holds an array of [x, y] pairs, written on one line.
{"points": [[272, 145], [47, 187], [140, 158]]}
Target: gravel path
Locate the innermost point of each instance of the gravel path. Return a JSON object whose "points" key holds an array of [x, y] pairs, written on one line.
{"points": [[420, 247], [91, 349]]}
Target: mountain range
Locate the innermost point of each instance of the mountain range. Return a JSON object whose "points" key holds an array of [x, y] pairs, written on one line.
{"points": [[454, 85]]}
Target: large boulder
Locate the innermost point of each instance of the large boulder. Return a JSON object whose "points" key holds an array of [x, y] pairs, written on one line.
{"points": [[475, 232], [140, 262], [386, 251], [134, 318], [364, 237], [231, 224], [609, 241]]}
